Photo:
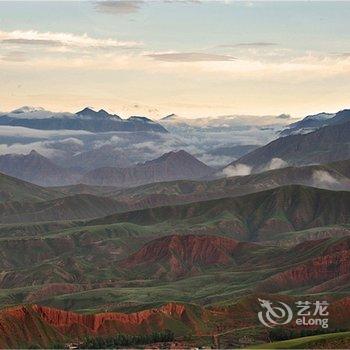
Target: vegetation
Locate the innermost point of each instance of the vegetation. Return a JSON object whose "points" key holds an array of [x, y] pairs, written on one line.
{"points": [[124, 340], [339, 340]]}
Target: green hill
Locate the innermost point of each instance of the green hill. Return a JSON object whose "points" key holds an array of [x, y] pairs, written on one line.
{"points": [[12, 189], [322, 341], [256, 216]]}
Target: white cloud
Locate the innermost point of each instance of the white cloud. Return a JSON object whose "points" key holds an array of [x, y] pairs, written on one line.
{"points": [[33, 37], [190, 57], [276, 163], [237, 170], [72, 141], [19, 148], [118, 7], [18, 131], [321, 177], [113, 141]]}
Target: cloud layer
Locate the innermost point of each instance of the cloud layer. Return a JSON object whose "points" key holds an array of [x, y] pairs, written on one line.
{"points": [[32, 37], [118, 7], [237, 170], [190, 57]]}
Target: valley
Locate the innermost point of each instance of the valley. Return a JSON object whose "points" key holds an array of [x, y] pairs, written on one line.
{"points": [[172, 244]]}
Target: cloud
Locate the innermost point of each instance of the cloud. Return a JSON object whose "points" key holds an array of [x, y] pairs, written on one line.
{"points": [[321, 177], [237, 170], [284, 116], [32, 37], [119, 7], [252, 44], [14, 56], [42, 147], [190, 57], [113, 141], [276, 163], [72, 141], [19, 131], [213, 160]]}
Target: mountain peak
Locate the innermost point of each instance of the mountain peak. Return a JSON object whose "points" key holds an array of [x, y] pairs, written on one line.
{"points": [[86, 111], [170, 117], [33, 152], [173, 156], [90, 113], [140, 119], [27, 109]]}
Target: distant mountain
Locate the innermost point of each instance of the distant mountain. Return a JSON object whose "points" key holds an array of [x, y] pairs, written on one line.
{"points": [[86, 119], [328, 144], [91, 114], [105, 156], [12, 189], [235, 151], [170, 166], [35, 168], [332, 176], [314, 122]]}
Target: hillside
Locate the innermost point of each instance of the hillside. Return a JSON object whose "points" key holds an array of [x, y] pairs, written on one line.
{"points": [[251, 217], [13, 189], [325, 269], [328, 144], [339, 340], [176, 255], [75, 207], [42, 326], [333, 176], [170, 166]]}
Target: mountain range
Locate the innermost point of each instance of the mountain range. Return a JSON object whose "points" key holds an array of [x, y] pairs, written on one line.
{"points": [[145, 249], [327, 144], [313, 122], [40, 170], [250, 217], [35, 168], [170, 166], [86, 119]]}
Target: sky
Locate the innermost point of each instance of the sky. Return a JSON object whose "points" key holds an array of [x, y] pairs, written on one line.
{"points": [[192, 58]]}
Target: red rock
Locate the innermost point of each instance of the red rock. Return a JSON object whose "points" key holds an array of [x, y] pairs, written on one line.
{"points": [[182, 253]]}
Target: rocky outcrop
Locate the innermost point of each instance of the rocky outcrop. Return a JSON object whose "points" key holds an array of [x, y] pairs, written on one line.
{"points": [[177, 255], [41, 325], [331, 264]]}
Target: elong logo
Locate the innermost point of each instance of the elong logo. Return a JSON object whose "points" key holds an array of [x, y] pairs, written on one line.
{"points": [[282, 314]]}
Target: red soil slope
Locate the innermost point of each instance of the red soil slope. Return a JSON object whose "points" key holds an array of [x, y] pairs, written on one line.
{"points": [[180, 254], [26, 325], [333, 264]]}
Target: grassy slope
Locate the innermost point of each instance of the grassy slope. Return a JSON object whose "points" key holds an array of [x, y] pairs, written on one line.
{"points": [[12, 189], [328, 341], [82, 254], [75, 207], [284, 209], [210, 286]]}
